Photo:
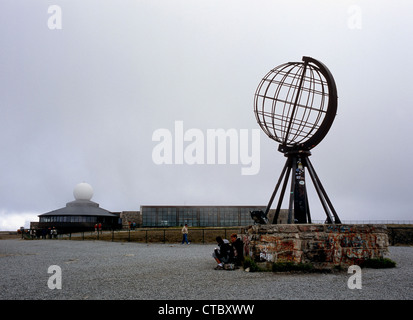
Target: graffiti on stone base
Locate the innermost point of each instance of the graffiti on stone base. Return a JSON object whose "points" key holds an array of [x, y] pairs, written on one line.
{"points": [[265, 252], [339, 228], [246, 241], [266, 256], [324, 245]]}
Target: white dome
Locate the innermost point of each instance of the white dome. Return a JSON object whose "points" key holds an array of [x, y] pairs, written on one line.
{"points": [[83, 191]]}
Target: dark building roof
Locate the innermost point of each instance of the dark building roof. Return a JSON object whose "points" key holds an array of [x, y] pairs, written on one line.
{"points": [[80, 208]]}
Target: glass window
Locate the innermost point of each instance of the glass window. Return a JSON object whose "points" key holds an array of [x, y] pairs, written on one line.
{"points": [[149, 216], [172, 216], [208, 217]]}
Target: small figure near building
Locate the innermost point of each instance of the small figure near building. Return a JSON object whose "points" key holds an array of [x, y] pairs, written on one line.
{"points": [[185, 234], [54, 232]]}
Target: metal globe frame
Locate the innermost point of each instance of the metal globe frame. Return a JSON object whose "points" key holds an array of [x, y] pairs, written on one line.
{"points": [[295, 104]]}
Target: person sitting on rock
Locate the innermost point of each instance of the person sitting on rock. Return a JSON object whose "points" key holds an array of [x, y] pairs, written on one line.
{"points": [[223, 254]]}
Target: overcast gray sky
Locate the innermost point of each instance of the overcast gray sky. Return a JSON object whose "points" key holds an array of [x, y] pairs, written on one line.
{"points": [[80, 103]]}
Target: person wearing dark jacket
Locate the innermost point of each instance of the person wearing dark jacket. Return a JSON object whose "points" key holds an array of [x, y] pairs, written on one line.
{"points": [[238, 247], [223, 254]]}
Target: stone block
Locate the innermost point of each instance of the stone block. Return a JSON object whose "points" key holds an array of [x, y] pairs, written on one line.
{"points": [[287, 228], [310, 228], [322, 245]]}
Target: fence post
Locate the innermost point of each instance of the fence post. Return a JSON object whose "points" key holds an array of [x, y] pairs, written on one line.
{"points": [[113, 230], [129, 235], [203, 236], [146, 236]]}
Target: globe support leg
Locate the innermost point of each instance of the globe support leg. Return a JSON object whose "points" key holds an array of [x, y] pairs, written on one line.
{"points": [[322, 194], [298, 195], [298, 210], [291, 214], [277, 212], [286, 167]]}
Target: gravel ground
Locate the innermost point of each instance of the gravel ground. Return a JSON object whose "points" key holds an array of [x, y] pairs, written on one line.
{"points": [[97, 270]]}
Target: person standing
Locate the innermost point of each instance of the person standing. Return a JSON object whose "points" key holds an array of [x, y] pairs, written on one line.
{"points": [[54, 232], [185, 234]]}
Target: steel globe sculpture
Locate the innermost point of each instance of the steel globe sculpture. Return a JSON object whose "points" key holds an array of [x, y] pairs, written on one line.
{"points": [[295, 104]]}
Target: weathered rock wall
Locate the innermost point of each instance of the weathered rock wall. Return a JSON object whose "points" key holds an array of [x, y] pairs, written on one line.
{"points": [[323, 245], [129, 217]]}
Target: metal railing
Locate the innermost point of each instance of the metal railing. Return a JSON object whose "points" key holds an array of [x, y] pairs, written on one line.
{"points": [[156, 235], [174, 235]]}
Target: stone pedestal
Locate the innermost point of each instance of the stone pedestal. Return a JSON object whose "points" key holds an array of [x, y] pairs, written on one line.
{"points": [[323, 245]]}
